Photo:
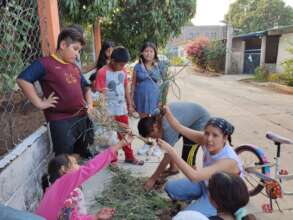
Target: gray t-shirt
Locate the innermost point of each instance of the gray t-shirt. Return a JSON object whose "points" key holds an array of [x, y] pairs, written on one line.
{"points": [[189, 114]]}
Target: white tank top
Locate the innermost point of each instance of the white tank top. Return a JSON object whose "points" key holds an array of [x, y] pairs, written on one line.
{"points": [[226, 153]]}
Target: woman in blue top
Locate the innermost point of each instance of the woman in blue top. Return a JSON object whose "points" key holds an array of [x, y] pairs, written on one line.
{"points": [[145, 81]]}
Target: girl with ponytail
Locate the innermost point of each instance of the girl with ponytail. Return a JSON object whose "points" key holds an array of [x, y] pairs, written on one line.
{"points": [[63, 198]]}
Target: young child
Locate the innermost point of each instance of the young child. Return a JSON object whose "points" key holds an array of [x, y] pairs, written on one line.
{"points": [[63, 199], [229, 195], [94, 93], [67, 98], [112, 82], [191, 115], [105, 54]]}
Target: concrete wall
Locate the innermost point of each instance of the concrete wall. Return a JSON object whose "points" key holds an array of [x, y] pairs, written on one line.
{"points": [[21, 171], [283, 53], [237, 59], [190, 32]]}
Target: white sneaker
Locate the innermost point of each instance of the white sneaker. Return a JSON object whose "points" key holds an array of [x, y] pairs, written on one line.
{"points": [[157, 151], [143, 150]]}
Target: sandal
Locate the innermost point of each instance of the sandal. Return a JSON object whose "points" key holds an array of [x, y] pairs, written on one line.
{"points": [[135, 162]]}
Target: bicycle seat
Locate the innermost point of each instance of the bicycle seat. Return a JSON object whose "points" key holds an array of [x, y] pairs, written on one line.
{"points": [[278, 139]]}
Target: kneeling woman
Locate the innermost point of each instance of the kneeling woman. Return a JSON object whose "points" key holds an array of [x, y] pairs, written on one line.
{"points": [[218, 156]]}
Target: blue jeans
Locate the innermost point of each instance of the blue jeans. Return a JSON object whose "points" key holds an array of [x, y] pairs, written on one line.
{"points": [[185, 190]]}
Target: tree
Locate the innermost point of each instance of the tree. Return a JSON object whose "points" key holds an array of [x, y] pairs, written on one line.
{"points": [[85, 11], [132, 22], [258, 15], [137, 21]]}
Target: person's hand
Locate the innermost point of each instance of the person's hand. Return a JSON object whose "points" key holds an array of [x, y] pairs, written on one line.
{"points": [[90, 109], [49, 102], [164, 145], [166, 110], [131, 110], [105, 214], [127, 139], [149, 184], [123, 125]]}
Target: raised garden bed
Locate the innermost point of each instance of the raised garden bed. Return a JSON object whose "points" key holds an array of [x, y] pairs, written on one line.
{"points": [[19, 118]]}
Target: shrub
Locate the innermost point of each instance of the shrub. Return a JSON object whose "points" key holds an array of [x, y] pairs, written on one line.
{"points": [[274, 77], [197, 50], [176, 61], [261, 74], [206, 54], [288, 69], [215, 56]]}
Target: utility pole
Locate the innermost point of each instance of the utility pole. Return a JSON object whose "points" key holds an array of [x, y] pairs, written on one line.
{"points": [[228, 60]]}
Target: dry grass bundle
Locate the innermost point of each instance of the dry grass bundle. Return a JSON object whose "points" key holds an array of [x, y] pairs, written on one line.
{"points": [[126, 194], [103, 123]]}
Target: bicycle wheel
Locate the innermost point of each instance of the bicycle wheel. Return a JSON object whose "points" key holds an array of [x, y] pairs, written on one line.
{"points": [[250, 157]]}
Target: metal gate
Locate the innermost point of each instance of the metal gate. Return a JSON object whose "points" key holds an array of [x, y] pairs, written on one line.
{"points": [[251, 60]]}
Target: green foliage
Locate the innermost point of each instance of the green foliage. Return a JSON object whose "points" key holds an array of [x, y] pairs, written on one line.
{"points": [[125, 193], [135, 21], [207, 54], [258, 15], [131, 22], [85, 11], [197, 51], [17, 46], [288, 69], [261, 74], [215, 56], [176, 61]]}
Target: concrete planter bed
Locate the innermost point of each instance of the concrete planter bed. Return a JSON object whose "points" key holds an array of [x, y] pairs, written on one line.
{"points": [[21, 171]]}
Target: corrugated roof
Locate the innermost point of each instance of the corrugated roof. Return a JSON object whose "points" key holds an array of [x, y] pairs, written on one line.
{"points": [[251, 35], [272, 31]]}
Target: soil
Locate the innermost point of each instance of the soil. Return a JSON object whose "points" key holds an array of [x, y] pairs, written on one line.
{"points": [[18, 119], [271, 86], [207, 73]]}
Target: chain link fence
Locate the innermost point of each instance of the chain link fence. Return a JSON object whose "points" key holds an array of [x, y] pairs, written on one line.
{"points": [[19, 46]]}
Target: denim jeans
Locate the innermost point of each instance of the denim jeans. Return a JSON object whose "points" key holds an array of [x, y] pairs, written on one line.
{"points": [[185, 190], [9, 213]]}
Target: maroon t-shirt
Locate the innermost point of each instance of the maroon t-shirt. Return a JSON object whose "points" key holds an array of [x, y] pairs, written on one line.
{"points": [[62, 78]]}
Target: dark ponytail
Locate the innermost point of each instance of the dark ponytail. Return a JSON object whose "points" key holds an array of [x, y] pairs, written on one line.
{"points": [[45, 182], [230, 140], [54, 170], [102, 60]]}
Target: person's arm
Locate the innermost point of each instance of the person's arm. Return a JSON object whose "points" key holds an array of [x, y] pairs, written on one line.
{"points": [[87, 93], [160, 169], [101, 80], [89, 100], [227, 165], [195, 136], [133, 83], [25, 80], [127, 95], [63, 186]]}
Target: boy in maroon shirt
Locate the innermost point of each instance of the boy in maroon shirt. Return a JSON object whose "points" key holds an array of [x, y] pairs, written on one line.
{"points": [[67, 98]]}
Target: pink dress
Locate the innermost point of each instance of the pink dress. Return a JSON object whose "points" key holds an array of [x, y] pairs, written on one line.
{"points": [[63, 198]]}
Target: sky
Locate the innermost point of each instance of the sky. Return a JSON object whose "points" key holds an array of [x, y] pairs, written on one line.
{"points": [[211, 12]]}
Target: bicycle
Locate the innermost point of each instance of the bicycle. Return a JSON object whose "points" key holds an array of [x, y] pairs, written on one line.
{"points": [[257, 169]]}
